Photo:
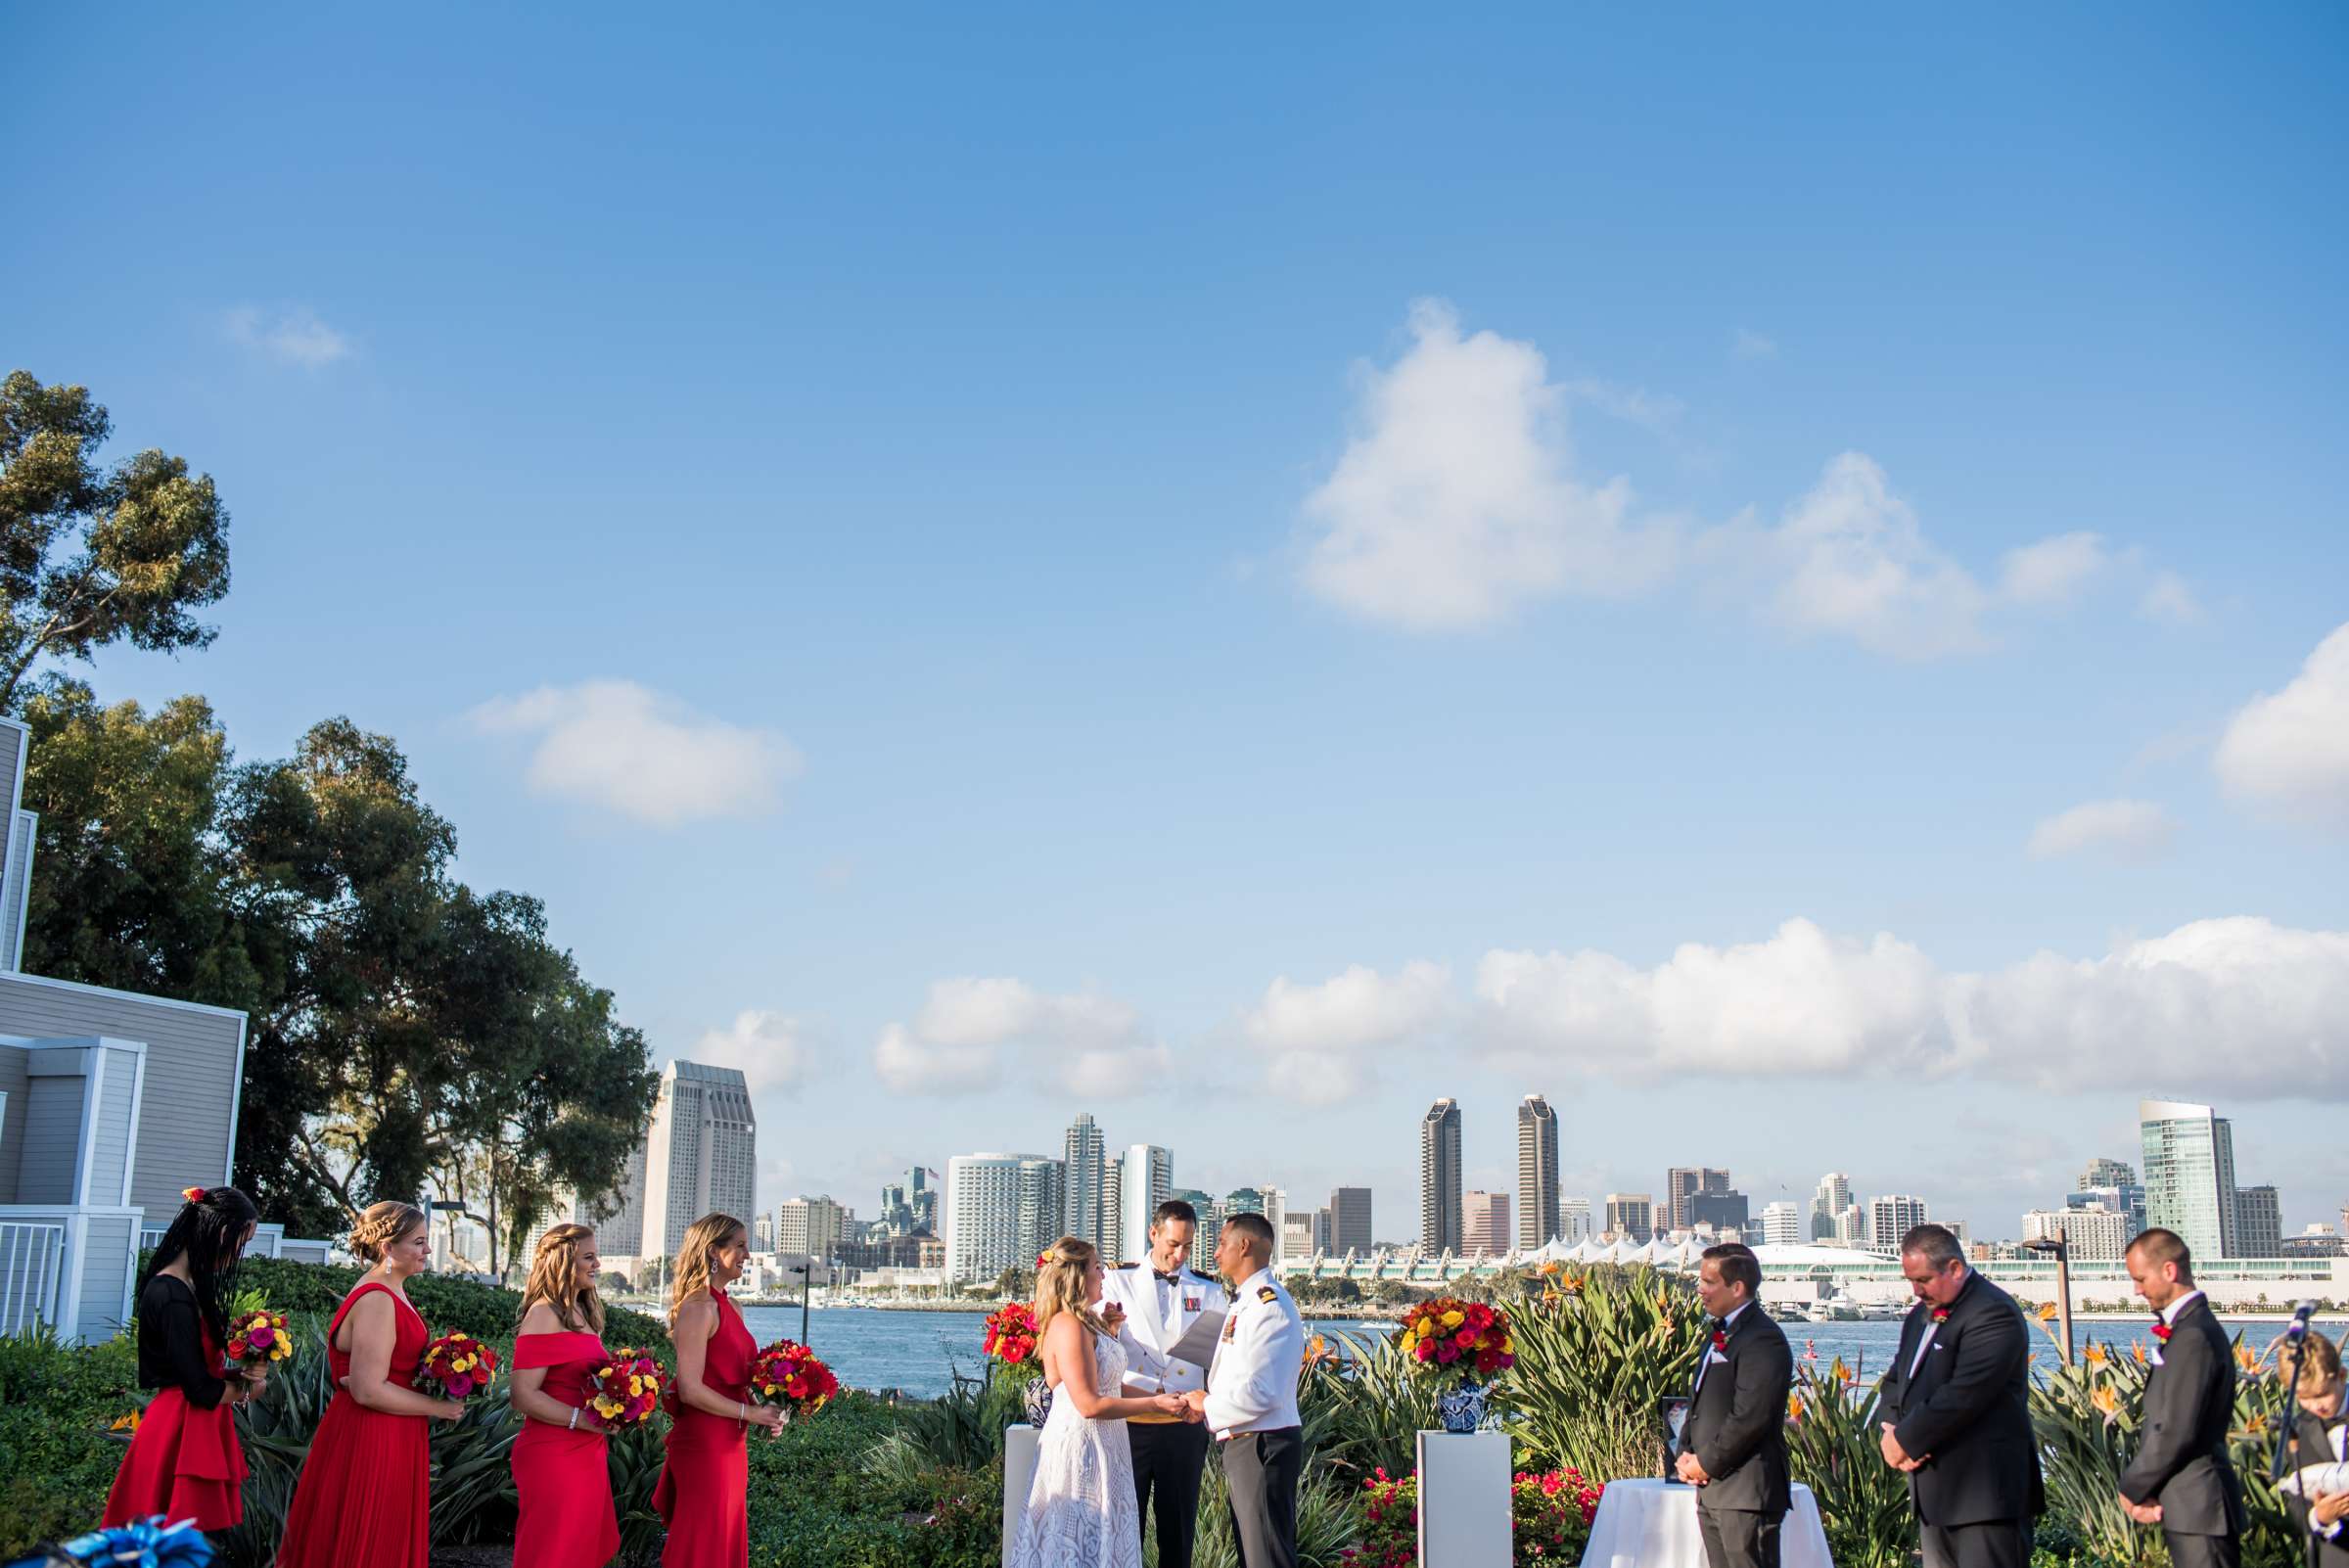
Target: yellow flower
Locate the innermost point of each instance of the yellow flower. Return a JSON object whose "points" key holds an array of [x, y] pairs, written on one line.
{"points": [[635, 1385], [1505, 1344], [2106, 1402], [125, 1423], [2095, 1354], [2047, 1313], [1549, 1295], [1452, 1320]]}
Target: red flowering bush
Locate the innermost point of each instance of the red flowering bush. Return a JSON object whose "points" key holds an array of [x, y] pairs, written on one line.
{"points": [[1551, 1519]]}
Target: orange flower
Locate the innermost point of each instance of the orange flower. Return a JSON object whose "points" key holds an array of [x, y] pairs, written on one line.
{"points": [[2095, 1354], [125, 1423], [2246, 1359], [2046, 1312], [2138, 1351], [2106, 1402], [1794, 1407]]}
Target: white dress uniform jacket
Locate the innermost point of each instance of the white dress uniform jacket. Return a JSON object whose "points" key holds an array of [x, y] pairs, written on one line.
{"points": [[1252, 1387], [1159, 1313]]}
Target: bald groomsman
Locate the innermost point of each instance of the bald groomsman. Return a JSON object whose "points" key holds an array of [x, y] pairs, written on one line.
{"points": [[2182, 1478]]}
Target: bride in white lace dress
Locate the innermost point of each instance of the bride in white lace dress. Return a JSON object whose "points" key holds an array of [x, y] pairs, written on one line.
{"points": [[1082, 1511]]}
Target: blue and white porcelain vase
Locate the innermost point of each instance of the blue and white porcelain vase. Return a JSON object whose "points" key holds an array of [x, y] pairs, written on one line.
{"points": [[1036, 1399], [1462, 1410]]}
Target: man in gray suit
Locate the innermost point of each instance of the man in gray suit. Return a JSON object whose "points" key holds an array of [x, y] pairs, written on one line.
{"points": [[1733, 1444], [2182, 1478]]}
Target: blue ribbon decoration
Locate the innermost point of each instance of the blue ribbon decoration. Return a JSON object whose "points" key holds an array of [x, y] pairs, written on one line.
{"points": [[145, 1543]]}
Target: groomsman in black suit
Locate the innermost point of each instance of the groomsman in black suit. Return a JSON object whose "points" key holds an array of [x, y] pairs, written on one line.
{"points": [[1958, 1398], [1733, 1444], [2182, 1479]]}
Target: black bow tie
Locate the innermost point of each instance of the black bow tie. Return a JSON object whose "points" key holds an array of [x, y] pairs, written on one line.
{"points": [[1173, 1279], [1721, 1325]]}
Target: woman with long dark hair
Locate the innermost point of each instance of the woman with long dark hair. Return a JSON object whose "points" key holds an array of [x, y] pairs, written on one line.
{"points": [[364, 1499], [184, 1461], [704, 1492]]}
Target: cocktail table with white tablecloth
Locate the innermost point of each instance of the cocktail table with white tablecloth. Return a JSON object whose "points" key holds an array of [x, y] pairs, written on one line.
{"points": [[1652, 1524]]}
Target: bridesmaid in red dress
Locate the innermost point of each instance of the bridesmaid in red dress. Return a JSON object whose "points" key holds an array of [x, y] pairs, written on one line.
{"points": [[184, 1460], [364, 1496], [560, 1476], [704, 1495]]}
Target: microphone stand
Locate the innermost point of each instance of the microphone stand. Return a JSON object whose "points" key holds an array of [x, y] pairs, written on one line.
{"points": [[2288, 1435]]}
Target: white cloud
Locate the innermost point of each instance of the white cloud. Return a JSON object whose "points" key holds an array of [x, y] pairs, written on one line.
{"points": [[2132, 830], [2289, 750], [2236, 1006], [1457, 503], [1321, 1039], [1851, 560], [1747, 344], [960, 1039], [624, 747], [772, 1049], [2171, 601], [2052, 570], [292, 336]]}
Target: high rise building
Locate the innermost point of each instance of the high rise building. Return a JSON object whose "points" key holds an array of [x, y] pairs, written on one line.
{"points": [[2103, 1172], [1631, 1216], [1782, 1224], [762, 1233], [1483, 1224], [1892, 1216], [1574, 1220], [1682, 1185], [1146, 1180], [2092, 1232], [1439, 1177], [2258, 1222], [1350, 1221], [1243, 1200], [1726, 1214], [1001, 1210], [1086, 1217], [1536, 1172], [910, 1208], [1113, 1211], [2189, 1173], [812, 1228], [1851, 1227], [1303, 1233], [701, 1153], [1834, 1195]]}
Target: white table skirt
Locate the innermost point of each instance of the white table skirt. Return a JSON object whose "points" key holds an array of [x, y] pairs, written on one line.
{"points": [[1652, 1524]]}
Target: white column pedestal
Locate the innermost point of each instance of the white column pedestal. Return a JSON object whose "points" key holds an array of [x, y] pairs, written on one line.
{"points": [[1464, 1507], [1019, 1472]]}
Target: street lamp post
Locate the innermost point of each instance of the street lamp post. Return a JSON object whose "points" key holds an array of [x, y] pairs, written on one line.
{"points": [[2061, 1248]]}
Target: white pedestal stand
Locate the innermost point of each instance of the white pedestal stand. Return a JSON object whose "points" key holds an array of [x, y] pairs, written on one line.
{"points": [[1464, 1510], [1019, 1473]]}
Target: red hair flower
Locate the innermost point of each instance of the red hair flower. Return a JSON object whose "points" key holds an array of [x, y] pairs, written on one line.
{"points": [[192, 1194]]}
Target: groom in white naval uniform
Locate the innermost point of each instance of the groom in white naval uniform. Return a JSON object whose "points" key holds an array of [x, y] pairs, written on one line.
{"points": [[1251, 1398], [1163, 1299]]}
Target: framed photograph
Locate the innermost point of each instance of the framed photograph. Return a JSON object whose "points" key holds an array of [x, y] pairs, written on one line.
{"points": [[1671, 1416]]}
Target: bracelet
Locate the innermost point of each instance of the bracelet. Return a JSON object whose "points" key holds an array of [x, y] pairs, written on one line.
{"points": [[742, 1413], [573, 1424]]}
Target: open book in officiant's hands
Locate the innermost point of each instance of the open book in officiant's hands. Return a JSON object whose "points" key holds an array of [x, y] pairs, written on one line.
{"points": [[1198, 1343]]}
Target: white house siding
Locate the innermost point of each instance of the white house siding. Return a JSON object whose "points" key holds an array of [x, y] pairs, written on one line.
{"points": [[187, 1116]]}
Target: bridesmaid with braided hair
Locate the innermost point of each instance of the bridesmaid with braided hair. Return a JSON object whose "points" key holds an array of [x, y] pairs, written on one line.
{"points": [[364, 1496]]}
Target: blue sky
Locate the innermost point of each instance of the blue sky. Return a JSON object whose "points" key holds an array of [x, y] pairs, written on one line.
{"points": [[1240, 578]]}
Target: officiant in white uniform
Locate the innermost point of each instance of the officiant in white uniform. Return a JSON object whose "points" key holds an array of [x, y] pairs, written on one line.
{"points": [[1163, 1299]]}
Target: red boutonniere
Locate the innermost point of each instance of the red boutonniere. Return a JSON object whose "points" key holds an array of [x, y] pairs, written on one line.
{"points": [[1721, 1341], [2161, 1330], [1941, 1315]]}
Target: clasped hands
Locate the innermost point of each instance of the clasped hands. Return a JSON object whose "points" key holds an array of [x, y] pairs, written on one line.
{"points": [[1691, 1471], [1896, 1455], [2144, 1513]]}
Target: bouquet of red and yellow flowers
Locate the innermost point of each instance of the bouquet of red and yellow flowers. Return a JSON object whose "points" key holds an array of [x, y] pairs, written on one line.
{"points": [[1011, 1335], [788, 1373], [456, 1366], [627, 1388], [1448, 1334], [256, 1337]]}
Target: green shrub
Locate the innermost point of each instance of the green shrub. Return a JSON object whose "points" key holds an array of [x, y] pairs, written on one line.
{"points": [[1598, 1353], [56, 1405], [1833, 1447], [445, 1301]]}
